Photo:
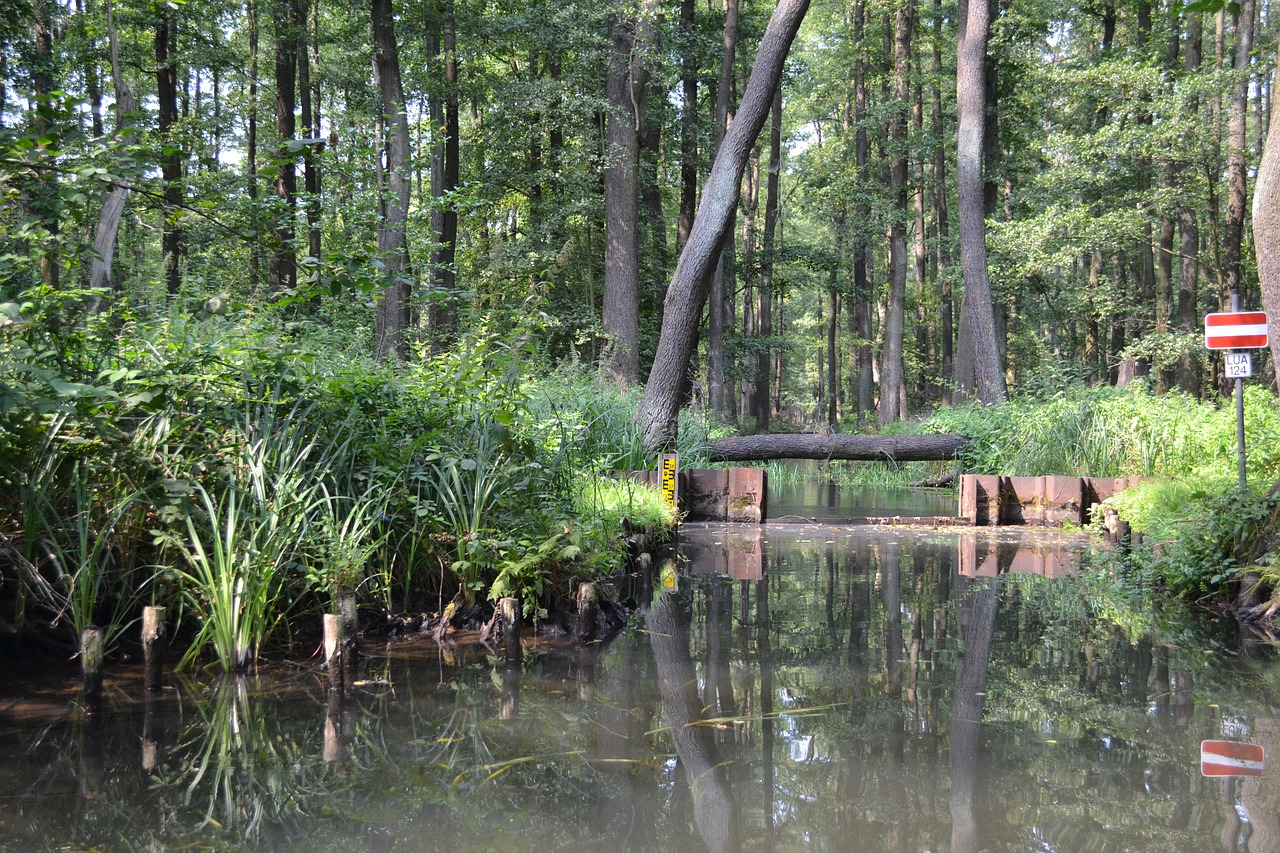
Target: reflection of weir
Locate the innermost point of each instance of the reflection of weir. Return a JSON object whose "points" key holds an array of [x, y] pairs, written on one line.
{"points": [[736, 552], [983, 556]]}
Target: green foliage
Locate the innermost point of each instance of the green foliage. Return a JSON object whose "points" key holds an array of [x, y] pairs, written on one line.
{"points": [[1200, 536], [1110, 432]]}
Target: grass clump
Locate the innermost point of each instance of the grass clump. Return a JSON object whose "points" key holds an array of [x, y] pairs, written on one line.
{"points": [[1112, 432], [241, 477]]}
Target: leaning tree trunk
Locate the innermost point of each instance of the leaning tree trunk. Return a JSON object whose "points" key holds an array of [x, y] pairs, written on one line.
{"points": [[971, 99], [660, 403], [1266, 229]]}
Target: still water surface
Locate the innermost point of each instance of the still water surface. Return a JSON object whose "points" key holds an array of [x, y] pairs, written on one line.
{"points": [[801, 687]]}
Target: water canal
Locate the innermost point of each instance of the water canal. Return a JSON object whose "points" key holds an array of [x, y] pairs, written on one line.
{"points": [[792, 687]]}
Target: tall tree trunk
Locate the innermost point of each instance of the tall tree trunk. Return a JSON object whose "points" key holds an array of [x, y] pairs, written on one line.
{"points": [[946, 308], [892, 379], [43, 201], [282, 267], [690, 283], [626, 79], [861, 315], [1188, 372], [650, 163], [771, 201], [445, 177], [104, 241], [971, 107], [390, 335], [1237, 168], [722, 278], [688, 124], [923, 378], [251, 151], [309, 103], [833, 362], [171, 158], [750, 240]]}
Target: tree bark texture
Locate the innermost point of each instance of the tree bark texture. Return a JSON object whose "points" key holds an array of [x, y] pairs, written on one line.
{"points": [[309, 106], [104, 239], [390, 341], [251, 150], [1237, 168], [718, 397], [445, 177], [688, 124], [660, 403], [946, 331], [764, 360], [621, 165], [971, 107], [1266, 230], [860, 317], [892, 380], [866, 448], [282, 267], [171, 159], [715, 812]]}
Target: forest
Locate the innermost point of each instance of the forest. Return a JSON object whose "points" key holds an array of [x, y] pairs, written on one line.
{"points": [[297, 297]]}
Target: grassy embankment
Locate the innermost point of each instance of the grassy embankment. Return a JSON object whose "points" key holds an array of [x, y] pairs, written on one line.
{"points": [[243, 478]]}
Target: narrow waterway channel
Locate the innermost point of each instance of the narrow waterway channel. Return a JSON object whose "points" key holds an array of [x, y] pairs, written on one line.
{"points": [[785, 688]]}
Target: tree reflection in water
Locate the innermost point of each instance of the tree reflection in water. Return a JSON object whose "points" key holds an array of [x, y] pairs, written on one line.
{"points": [[715, 812], [866, 691]]}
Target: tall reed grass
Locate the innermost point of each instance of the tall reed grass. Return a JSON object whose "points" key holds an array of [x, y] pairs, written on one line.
{"points": [[1112, 432]]}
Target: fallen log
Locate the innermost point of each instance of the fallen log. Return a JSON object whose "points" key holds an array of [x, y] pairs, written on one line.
{"points": [[865, 448]]}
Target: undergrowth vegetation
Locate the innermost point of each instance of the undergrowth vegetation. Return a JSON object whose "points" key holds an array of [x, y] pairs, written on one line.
{"points": [[1200, 534], [244, 480]]}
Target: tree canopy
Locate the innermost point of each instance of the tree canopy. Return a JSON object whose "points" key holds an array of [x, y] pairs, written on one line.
{"points": [[257, 157]]}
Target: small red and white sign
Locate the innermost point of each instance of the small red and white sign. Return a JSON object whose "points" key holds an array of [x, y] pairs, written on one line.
{"points": [[1236, 330], [1228, 758]]}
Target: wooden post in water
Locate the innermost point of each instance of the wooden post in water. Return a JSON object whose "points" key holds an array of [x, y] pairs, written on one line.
{"points": [[154, 645], [350, 621], [333, 645], [509, 610], [91, 654], [350, 632], [337, 660], [509, 704], [588, 610]]}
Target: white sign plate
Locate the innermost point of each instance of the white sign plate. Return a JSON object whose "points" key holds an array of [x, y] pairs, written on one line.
{"points": [[1238, 365]]}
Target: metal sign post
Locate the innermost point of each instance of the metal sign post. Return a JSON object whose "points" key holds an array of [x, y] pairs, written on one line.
{"points": [[1237, 330]]}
